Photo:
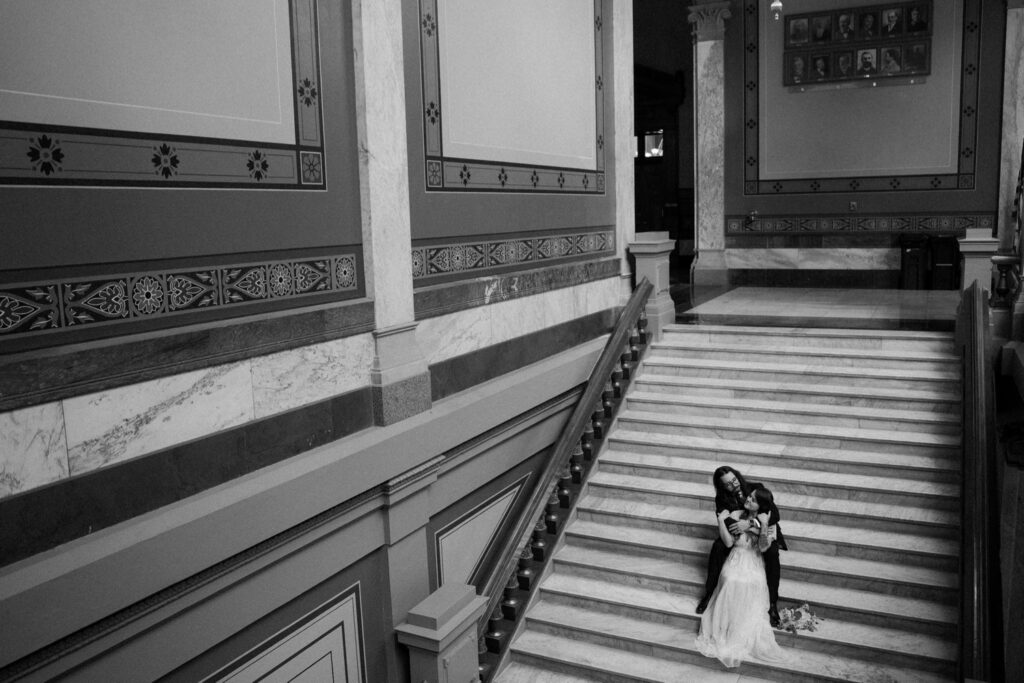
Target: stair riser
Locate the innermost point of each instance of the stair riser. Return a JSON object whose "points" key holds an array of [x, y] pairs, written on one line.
{"points": [[596, 604], [569, 668], [780, 487], [836, 420], [619, 578], [790, 570], [695, 389], [805, 544], [840, 519], [628, 421], [730, 338], [944, 472], [691, 626], [843, 613], [804, 356], [808, 377]]}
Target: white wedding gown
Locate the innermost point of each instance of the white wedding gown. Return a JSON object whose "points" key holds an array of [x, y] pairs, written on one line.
{"points": [[735, 624]]}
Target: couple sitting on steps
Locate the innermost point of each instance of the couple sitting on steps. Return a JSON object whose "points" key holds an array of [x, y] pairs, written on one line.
{"points": [[739, 607]]}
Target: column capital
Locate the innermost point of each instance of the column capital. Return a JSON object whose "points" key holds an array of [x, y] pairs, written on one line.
{"points": [[708, 19]]}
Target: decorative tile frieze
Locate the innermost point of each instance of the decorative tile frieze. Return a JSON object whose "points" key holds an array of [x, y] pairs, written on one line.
{"points": [[963, 179], [478, 257], [945, 223], [38, 154], [446, 173], [48, 306]]}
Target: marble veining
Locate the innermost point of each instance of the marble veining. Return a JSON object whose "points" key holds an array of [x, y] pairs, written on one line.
{"points": [[814, 259], [112, 426], [33, 448], [1013, 117], [710, 144], [297, 377]]}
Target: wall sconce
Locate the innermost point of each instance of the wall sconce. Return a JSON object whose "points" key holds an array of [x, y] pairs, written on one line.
{"points": [[776, 9]]}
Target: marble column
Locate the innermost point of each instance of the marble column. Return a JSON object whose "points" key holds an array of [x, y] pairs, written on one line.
{"points": [[399, 375], [1013, 134], [708, 20], [625, 140], [651, 251]]}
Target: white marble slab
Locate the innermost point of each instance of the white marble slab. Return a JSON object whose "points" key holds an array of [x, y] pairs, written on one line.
{"points": [[817, 259], [297, 377], [454, 334], [33, 448], [111, 426]]}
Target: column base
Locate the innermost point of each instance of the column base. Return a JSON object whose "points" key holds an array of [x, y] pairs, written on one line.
{"points": [[400, 378]]}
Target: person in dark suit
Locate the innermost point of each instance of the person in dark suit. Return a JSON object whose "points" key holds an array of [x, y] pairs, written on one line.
{"points": [[731, 490], [844, 28], [867, 63], [893, 25], [868, 28], [916, 21]]}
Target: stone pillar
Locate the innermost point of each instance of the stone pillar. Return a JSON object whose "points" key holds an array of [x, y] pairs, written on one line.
{"points": [[1013, 118], [440, 633], [625, 140], [399, 377], [651, 251], [708, 21]]}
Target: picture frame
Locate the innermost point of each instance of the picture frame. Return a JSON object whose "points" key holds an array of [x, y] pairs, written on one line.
{"points": [[851, 43]]}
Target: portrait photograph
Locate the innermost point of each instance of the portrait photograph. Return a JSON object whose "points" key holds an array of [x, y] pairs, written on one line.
{"points": [[821, 29], [796, 69], [821, 67], [892, 61], [845, 26], [867, 62], [917, 19], [796, 31], [844, 65], [867, 25], [892, 22], [915, 58]]}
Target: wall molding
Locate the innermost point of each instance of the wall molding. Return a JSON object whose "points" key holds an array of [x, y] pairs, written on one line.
{"points": [[963, 179], [445, 173], [895, 223], [471, 258], [40, 154]]}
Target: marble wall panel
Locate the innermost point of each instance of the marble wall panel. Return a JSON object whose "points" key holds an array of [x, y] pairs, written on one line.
{"points": [[814, 259], [33, 448], [454, 334], [593, 297], [298, 377], [111, 426], [1013, 118]]}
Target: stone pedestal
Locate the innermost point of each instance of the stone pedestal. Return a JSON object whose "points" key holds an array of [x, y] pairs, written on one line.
{"points": [[440, 633], [651, 251], [977, 248]]}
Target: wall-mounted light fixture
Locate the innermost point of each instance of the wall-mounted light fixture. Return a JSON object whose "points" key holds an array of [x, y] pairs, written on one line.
{"points": [[776, 9]]}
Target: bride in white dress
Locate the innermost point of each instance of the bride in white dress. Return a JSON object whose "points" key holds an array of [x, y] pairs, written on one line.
{"points": [[735, 624]]}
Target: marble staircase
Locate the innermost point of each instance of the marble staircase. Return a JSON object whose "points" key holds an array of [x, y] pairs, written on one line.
{"points": [[857, 433]]}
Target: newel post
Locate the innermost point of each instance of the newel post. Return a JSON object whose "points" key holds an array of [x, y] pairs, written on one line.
{"points": [[441, 634], [651, 251]]}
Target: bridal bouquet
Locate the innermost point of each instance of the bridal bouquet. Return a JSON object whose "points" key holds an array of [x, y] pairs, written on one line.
{"points": [[800, 618]]}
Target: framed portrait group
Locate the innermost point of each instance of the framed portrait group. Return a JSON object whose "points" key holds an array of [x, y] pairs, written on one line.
{"points": [[877, 41]]}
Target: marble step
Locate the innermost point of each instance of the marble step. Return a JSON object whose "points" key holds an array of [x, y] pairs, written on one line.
{"points": [[622, 617], [807, 537], [740, 452], [817, 393], [791, 412], [881, 340], [673, 550], [928, 520], [891, 378], [627, 626], [793, 488], [792, 433], [783, 352], [623, 571]]}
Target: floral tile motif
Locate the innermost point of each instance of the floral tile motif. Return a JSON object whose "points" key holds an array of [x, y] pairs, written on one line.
{"points": [[60, 305], [478, 257], [946, 223]]}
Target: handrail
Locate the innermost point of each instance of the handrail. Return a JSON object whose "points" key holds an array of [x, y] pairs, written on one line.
{"points": [[980, 646], [573, 446]]}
